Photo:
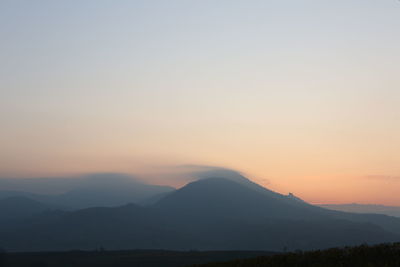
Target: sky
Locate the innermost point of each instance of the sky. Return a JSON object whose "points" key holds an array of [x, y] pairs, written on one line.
{"points": [[302, 96]]}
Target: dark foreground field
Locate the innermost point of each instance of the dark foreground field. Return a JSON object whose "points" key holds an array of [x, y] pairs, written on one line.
{"points": [[136, 258], [386, 255], [362, 256]]}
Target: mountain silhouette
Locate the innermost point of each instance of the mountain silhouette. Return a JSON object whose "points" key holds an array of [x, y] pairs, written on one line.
{"points": [[209, 214], [206, 198]]}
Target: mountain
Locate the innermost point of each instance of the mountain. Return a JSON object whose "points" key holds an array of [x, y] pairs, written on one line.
{"points": [[207, 198], [105, 189], [308, 210], [362, 208], [215, 172], [209, 214]]}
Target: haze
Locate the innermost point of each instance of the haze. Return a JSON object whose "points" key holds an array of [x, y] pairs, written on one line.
{"points": [[302, 96]]}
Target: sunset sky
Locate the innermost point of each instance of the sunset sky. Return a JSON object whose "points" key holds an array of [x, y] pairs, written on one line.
{"points": [[301, 96]]}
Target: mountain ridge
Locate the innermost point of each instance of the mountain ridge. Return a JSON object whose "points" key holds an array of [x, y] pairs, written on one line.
{"points": [[209, 214]]}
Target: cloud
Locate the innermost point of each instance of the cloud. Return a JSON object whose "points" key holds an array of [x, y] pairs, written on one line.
{"points": [[172, 175], [179, 175]]}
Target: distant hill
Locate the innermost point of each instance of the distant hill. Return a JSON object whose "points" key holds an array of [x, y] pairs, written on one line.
{"points": [[97, 190], [209, 214], [362, 208]]}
